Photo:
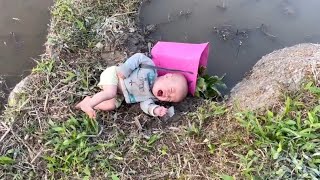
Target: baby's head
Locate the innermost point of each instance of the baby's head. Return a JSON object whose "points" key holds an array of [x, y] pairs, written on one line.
{"points": [[172, 87]]}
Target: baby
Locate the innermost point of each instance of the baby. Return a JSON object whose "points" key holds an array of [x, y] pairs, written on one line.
{"points": [[135, 84]]}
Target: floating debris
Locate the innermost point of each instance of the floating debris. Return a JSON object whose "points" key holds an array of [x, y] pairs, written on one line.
{"points": [[186, 13], [150, 28], [222, 6], [176, 16], [288, 9], [16, 19], [227, 32], [264, 30], [17, 41], [238, 49]]}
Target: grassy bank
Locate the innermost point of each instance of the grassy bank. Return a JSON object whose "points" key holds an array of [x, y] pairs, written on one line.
{"points": [[43, 136]]}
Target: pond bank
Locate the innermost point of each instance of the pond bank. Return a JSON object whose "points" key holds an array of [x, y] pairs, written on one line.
{"points": [[43, 136], [282, 70]]}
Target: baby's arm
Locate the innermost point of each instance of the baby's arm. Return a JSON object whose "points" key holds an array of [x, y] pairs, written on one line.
{"points": [[133, 63], [152, 109]]}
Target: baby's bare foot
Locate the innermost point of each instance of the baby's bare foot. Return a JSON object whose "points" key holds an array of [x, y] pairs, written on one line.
{"points": [[84, 101], [83, 105]]}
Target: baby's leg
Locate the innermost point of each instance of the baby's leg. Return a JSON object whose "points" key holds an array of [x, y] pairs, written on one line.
{"points": [[108, 105], [109, 92]]}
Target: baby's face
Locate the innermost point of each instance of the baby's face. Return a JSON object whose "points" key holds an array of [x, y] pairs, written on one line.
{"points": [[169, 88]]}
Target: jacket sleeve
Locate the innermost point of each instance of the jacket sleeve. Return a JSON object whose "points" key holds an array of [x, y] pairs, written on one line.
{"points": [[148, 106], [133, 63]]}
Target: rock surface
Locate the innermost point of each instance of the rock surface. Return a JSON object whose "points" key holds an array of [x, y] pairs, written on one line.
{"points": [[18, 89], [283, 69]]}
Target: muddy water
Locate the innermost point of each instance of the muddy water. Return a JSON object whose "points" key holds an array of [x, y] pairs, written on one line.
{"points": [[23, 30], [240, 31]]}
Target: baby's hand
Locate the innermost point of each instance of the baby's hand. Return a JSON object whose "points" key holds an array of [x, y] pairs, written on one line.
{"points": [[160, 111]]}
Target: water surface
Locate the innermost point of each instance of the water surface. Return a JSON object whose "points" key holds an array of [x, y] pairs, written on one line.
{"points": [[23, 30], [252, 28]]}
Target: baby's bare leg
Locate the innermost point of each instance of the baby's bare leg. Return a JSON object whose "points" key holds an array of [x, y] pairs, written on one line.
{"points": [[108, 92], [108, 105], [87, 105]]}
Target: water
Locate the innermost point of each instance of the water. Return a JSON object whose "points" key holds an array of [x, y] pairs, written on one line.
{"points": [[285, 23], [23, 30]]}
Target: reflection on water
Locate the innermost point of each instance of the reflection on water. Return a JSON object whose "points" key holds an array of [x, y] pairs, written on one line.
{"points": [[240, 31], [23, 29]]}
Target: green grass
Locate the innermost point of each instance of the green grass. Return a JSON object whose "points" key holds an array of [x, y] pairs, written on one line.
{"points": [[76, 151], [209, 110], [286, 142]]}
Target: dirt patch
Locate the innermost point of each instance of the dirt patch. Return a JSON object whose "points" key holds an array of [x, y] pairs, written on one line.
{"points": [[279, 71]]}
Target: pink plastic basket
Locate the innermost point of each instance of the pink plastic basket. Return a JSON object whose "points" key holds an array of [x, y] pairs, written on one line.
{"points": [[181, 56]]}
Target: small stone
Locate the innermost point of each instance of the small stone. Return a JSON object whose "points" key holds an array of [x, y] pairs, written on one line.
{"points": [[99, 45], [26, 137], [132, 30]]}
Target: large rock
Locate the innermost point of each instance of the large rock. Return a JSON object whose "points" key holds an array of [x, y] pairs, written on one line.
{"points": [[18, 89], [280, 70]]}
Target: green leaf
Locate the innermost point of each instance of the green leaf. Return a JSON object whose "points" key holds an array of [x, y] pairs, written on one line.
{"points": [[70, 76], [275, 154], [291, 131], [314, 90], [201, 84], [308, 85], [287, 104], [58, 129], [87, 171], [311, 117], [226, 177], [114, 177], [250, 153], [80, 25], [309, 146], [66, 142], [207, 86], [290, 122], [6, 160], [153, 139]]}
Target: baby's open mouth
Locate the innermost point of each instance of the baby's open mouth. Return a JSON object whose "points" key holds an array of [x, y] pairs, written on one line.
{"points": [[160, 93]]}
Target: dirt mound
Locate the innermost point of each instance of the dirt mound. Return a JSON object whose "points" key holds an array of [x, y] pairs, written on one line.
{"points": [[281, 70]]}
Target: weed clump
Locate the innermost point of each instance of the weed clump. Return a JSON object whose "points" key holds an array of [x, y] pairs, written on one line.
{"points": [[76, 150], [286, 142]]}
